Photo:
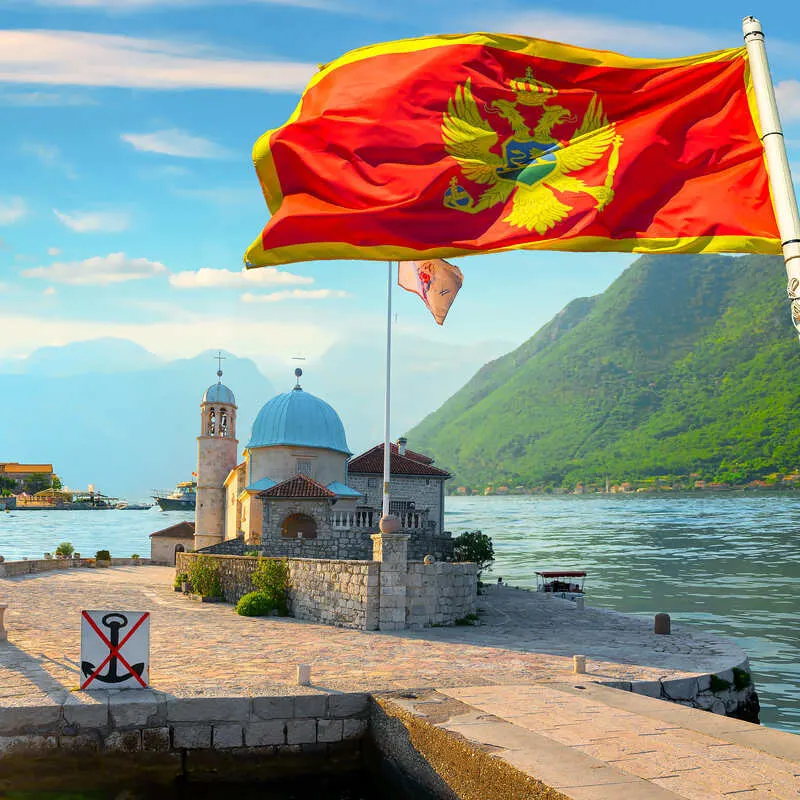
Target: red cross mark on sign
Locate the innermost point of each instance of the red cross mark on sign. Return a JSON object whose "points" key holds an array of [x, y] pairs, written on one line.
{"points": [[114, 621]]}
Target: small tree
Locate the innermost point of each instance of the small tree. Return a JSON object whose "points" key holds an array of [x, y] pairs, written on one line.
{"points": [[36, 483], [475, 546], [204, 577], [271, 577], [57, 485], [65, 550]]}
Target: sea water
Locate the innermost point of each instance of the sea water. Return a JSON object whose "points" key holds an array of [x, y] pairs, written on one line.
{"points": [[726, 563]]}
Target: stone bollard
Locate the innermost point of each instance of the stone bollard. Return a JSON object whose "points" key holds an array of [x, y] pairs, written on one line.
{"points": [[303, 674], [3, 634], [579, 603], [579, 665], [661, 624]]}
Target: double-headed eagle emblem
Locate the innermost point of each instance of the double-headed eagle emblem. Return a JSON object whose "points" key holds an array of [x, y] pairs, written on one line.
{"points": [[535, 167]]}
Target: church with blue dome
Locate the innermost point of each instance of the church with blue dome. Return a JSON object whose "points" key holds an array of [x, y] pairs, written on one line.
{"points": [[298, 491]]}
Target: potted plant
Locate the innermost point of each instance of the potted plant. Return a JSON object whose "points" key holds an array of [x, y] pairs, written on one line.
{"points": [[102, 558], [136, 560], [65, 550], [181, 582]]}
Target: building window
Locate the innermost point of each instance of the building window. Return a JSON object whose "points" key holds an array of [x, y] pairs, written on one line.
{"points": [[299, 526], [400, 506], [304, 466], [427, 481], [212, 423], [372, 482]]}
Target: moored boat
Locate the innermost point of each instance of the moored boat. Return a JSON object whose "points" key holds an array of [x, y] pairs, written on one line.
{"points": [[564, 583], [182, 498]]}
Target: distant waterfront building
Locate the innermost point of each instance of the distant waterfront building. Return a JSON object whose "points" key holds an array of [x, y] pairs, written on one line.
{"points": [[22, 472], [297, 492]]}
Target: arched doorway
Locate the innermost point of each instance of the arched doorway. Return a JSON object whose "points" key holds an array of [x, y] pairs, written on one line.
{"points": [[179, 548], [299, 526]]}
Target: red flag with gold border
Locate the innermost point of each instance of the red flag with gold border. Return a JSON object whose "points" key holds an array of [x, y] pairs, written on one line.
{"points": [[454, 145]]}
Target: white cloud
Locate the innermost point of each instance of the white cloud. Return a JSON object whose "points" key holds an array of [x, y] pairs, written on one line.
{"points": [[49, 291], [136, 5], [172, 338], [53, 251], [206, 278], [176, 143], [98, 271], [33, 99], [49, 155], [294, 294], [94, 221], [12, 209], [46, 153], [787, 94], [94, 59], [608, 33]]}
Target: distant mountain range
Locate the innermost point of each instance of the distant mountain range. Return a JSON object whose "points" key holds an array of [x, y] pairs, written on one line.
{"points": [[110, 413], [684, 366]]}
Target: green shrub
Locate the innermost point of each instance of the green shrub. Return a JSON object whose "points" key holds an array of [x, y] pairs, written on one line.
{"points": [[719, 684], [255, 604], [180, 579], [741, 679], [103, 555], [65, 549], [474, 546], [204, 577], [271, 577], [135, 555]]}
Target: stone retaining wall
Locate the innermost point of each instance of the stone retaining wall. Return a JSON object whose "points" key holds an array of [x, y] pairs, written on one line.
{"points": [[10, 569], [730, 692], [147, 721], [440, 593], [347, 593], [340, 593]]}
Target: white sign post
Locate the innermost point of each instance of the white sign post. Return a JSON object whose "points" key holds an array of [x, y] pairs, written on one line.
{"points": [[115, 650]]}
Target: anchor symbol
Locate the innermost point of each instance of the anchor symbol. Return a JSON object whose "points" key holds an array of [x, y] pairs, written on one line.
{"points": [[114, 622]]}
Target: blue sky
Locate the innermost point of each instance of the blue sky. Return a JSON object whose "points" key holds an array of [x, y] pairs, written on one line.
{"points": [[127, 193]]}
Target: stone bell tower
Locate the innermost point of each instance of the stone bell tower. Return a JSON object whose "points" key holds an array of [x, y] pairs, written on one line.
{"points": [[217, 448]]}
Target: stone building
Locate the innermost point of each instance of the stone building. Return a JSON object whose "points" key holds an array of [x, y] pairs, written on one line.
{"points": [[168, 542], [19, 473], [416, 487], [297, 492]]}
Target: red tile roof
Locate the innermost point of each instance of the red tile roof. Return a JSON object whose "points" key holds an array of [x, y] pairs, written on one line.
{"points": [[180, 530], [411, 454], [371, 463], [299, 486]]}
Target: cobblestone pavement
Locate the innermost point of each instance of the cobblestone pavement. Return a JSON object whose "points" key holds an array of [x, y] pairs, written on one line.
{"points": [[208, 649]]}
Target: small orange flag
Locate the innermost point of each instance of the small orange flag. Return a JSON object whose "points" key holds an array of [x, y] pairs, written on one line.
{"points": [[435, 281]]}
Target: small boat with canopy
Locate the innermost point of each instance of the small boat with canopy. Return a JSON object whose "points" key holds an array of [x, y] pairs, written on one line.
{"points": [[564, 583]]}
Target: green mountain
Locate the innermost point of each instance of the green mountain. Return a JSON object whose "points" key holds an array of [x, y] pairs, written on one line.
{"points": [[685, 364]]}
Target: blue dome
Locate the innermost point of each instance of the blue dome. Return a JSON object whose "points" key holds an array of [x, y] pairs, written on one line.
{"points": [[298, 418], [219, 393]]}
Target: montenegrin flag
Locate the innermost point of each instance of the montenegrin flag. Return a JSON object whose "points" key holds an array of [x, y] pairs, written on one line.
{"points": [[454, 145], [435, 281]]}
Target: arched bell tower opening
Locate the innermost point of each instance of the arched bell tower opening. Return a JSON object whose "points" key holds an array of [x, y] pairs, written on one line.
{"points": [[217, 448]]}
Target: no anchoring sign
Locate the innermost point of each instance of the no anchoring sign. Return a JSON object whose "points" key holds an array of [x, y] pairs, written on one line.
{"points": [[115, 649]]}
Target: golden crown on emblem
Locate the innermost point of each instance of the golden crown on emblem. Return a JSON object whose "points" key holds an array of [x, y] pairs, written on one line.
{"points": [[531, 92]]}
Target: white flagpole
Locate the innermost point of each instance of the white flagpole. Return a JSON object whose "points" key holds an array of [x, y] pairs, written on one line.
{"points": [[387, 444], [780, 177]]}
